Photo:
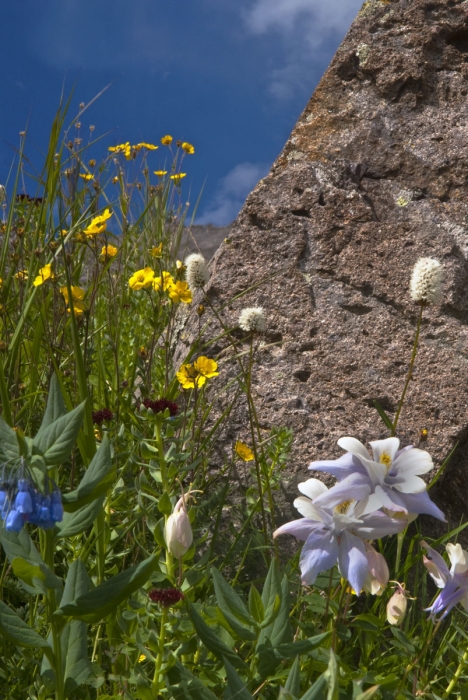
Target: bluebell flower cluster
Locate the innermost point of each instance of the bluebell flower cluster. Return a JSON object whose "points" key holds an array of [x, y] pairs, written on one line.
{"points": [[21, 502]]}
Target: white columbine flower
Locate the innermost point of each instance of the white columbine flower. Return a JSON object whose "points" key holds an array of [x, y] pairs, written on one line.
{"points": [[197, 274], [426, 281], [178, 531], [252, 320]]}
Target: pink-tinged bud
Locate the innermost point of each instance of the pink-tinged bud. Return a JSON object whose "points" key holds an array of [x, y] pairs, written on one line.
{"points": [[178, 531], [378, 576], [396, 606]]}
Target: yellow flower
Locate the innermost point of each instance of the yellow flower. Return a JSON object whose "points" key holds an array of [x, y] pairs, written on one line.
{"points": [[108, 251], [21, 275], [142, 279], [160, 173], [87, 176], [180, 266], [141, 658], [180, 292], [77, 295], [197, 374], [177, 178], [166, 140], [124, 148], [243, 451], [98, 224], [188, 148], [149, 146], [156, 251], [45, 273], [167, 281]]}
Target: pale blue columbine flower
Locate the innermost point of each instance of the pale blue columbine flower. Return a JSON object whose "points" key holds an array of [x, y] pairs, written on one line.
{"points": [[389, 479], [336, 535], [453, 581]]}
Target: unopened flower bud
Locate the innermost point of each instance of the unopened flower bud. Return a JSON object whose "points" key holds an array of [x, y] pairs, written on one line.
{"points": [[178, 531], [252, 320], [197, 274], [396, 606], [426, 281]]}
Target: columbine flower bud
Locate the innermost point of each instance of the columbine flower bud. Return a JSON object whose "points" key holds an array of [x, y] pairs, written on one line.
{"points": [[178, 531], [252, 320], [426, 281], [396, 606], [197, 274]]}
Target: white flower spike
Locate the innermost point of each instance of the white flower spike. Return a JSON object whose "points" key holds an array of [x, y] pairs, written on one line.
{"points": [[252, 320], [197, 274], [426, 281]]}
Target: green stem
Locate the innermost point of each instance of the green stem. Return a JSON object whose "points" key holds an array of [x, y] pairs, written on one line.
{"points": [[416, 661], [410, 370], [457, 675], [160, 656], [51, 607]]}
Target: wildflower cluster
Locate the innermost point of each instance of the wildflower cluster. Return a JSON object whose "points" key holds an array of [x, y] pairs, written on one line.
{"points": [[178, 291], [160, 405], [101, 416], [131, 151], [196, 374], [166, 596], [21, 502]]}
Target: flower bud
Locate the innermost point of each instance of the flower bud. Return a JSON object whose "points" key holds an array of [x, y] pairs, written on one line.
{"points": [[178, 531], [396, 606], [426, 281]]}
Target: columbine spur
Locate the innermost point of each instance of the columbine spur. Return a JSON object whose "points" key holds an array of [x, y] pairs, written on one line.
{"points": [[337, 535], [389, 479]]}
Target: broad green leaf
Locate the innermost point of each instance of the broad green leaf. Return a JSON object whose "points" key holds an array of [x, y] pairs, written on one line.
{"points": [[185, 686], [96, 481], [17, 631], [234, 626], [9, 448], [368, 694], [228, 600], [77, 583], [256, 605], [278, 631], [235, 686], [302, 646], [20, 548], [164, 504], [79, 521], [272, 586], [293, 681], [331, 676], [99, 602], [55, 408], [56, 442], [211, 640], [75, 648], [318, 690]]}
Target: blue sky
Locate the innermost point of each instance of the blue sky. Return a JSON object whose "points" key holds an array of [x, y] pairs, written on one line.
{"points": [[229, 76]]}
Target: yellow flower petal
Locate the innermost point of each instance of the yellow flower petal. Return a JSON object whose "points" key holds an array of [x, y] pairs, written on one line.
{"points": [[243, 451], [142, 279], [166, 140], [188, 148], [180, 292]]}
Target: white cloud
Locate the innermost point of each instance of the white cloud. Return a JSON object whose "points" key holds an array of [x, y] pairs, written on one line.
{"points": [[303, 26], [231, 193]]}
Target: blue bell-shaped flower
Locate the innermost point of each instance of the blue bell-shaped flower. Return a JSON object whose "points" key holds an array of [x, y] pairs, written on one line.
{"points": [[56, 510], [14, 521], [23, 502]]}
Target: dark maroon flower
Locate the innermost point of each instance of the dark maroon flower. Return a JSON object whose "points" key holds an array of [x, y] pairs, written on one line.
{"points": [[104, 414], [166, 596], [160, 405]]}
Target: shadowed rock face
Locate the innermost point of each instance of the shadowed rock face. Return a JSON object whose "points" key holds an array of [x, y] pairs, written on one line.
{"points": [[373, 177]]}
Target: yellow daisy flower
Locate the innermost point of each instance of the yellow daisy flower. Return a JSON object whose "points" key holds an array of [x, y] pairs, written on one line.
{"points": [[148, 146], [188, 148], [156, 251], [21, 275], [180, 292], [177, 178], [166, 140], [87, 176], [160, 173], [98, 224], [202, 369], [243, 451], [142, 279], [77, 295], [166, 281], [108, 251], [45, 273]]}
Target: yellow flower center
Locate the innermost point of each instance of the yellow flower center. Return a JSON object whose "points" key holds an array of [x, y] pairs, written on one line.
{"points": [[141, 277], [386, 459], [343, 507]]}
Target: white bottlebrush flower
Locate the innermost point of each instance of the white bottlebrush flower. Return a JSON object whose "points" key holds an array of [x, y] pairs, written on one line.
{"points": [[178, 531], [426, 281], [197, 274], [252, 319]]}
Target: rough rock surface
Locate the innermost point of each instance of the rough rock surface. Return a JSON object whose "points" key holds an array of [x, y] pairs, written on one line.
{"points": [[373, 177]]}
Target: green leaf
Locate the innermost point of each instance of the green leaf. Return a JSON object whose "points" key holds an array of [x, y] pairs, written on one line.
{"points": [[233, 625], [185, 686], [278, 631], [235, 686], [9, 448], [256, 605], [79, 521], [293, 681], [228, 600], [386, 420], [27, 563], [77, 666], [99, 602], [164, 504], [77, 583], [211, 640], [96, 481], [56, 441], [148, 451], [18, 632], [317, 690], [302, 646], [368, 694], [55, 408], [331, 676]]}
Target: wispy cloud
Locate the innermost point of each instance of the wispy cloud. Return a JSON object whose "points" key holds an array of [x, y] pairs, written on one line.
{"points": [[303, 27], [231, 193]]}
